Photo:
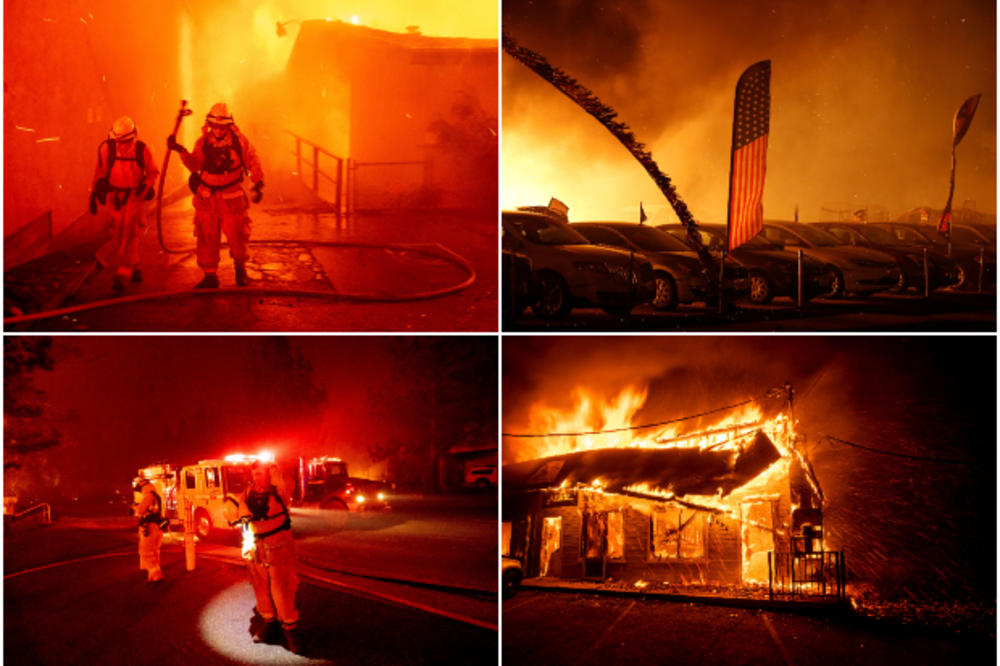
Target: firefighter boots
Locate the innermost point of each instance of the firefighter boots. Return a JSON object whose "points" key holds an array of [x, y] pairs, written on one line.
{"points": [[266, 632], [210, 281], [241, 274], [292, 640], [136, 275]]}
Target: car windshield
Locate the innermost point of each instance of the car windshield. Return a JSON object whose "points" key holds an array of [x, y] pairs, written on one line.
{"points": [[910, 235], [968, 234], [718, 236], [335, 468], [653, 240], [236, 478], [545, 231], [879, 236], [814, 235]]}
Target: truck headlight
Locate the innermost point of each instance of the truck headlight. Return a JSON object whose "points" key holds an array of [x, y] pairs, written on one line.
{"points": [[381, 497], [360, 499]]}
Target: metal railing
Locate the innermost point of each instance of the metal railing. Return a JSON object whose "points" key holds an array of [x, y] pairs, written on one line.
{"points": [[817, 574], [337, 179], [43, 509]]}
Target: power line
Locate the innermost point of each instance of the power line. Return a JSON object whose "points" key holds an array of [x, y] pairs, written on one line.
{"points": [[899, 455], [627, 428]]}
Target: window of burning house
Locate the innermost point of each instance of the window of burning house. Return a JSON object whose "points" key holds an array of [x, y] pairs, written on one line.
{"points": [[616, 535], [677, 534]]}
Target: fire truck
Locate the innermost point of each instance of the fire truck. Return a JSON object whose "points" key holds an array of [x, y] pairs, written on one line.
{"points": [[209, 485], [323, 483], [164, 480]]}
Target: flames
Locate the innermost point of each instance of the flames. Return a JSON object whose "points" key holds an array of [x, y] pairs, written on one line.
{"points": [[598, 423]]}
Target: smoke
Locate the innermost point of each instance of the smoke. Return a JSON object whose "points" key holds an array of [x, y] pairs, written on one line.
{"points": [[863, 96]]}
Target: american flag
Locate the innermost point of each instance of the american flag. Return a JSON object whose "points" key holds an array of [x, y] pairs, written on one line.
{"points": [[751, 123]]}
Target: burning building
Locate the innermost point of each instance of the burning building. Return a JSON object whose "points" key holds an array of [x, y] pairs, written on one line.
{"points": [[733, 504]]}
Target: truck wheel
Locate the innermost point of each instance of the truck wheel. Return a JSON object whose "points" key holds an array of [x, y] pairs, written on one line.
{"points": [[202, 524], [335, 513]]}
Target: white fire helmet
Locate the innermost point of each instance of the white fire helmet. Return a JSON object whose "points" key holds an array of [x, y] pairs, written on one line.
{"points": [[123, 129], [219, 115]]}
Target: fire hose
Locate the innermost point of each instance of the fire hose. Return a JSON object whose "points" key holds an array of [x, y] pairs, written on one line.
{"points": [[184, 111], [357, 297]]}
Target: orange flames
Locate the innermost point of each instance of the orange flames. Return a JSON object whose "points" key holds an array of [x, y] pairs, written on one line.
{"points": [[603, 424]]}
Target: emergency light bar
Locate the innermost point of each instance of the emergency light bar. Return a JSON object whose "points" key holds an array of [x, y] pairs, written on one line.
{"points": [[263, 456]]}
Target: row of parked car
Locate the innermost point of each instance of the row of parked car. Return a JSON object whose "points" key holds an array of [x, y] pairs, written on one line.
{"points": [[553, 266]]}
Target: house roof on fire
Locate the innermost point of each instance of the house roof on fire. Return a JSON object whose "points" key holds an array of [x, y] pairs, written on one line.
{"points": [[683, 471]]}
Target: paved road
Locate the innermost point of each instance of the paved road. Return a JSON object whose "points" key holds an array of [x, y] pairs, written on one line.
{"points": [[417, 586], [882, 312], [559, 628]]}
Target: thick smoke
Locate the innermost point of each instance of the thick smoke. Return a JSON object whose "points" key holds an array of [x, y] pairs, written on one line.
{"points": [[863, 96]]}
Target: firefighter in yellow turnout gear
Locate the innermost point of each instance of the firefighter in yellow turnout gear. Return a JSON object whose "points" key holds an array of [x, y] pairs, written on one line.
{"points": [[271, 563], [125, 180], [220, 159], [149, 510]]}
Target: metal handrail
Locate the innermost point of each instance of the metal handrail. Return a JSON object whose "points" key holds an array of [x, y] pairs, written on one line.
{"points": [[807, 574], [338, 180], [43, 507]]}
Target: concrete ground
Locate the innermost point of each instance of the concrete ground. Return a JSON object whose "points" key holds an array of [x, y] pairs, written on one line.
{"points": [[310, 270]]}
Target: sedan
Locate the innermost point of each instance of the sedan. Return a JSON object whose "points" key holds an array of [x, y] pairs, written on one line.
{"points": [[679, 275], [941, 271], [856, 270], [570, 271], [770, 270], [966, 255]]}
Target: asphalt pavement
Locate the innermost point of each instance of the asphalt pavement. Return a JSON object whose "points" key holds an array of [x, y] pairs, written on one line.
{"points": [[566, 628], [99, 609]]}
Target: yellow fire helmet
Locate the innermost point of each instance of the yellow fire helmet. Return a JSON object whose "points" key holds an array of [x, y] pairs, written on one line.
{"points": [[219, 115], [123, 129]]}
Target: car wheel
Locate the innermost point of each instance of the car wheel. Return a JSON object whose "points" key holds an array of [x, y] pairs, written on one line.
{"points": [[666, 292], [335, 513], [836, 282], [482, 484], [761, 290], [202, 524], [959, 278], [553, 297]]}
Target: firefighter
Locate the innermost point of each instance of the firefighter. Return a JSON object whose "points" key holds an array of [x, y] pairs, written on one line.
{"points": [[271, 563], [149, 510], [125, 180], [221, 157]]}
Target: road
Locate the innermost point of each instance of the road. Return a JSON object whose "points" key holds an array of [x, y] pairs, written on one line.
{"points": [[881, 312], [560, 628], [415, 587]]}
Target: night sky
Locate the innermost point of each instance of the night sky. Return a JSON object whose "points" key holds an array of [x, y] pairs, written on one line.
{"points": [[121, 403], [863, 97], [911, 528]]}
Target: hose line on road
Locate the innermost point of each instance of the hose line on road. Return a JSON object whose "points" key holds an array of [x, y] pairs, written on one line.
{"points": [[356, 297]]}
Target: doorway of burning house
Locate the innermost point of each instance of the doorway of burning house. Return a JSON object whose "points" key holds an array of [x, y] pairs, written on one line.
{"points": [[550, 553], [757, 520], [594, 544]]}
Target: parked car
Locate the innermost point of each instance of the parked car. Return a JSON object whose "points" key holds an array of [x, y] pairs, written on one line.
{"points": [[941, 271], [570, 271], [511, 575], [856, 270], [679, 275], [978, 234], [771, 271], [518, 285], [966, 255]]}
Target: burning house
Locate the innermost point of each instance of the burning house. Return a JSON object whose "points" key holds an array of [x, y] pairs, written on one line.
{"points": [[733, 504]]}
